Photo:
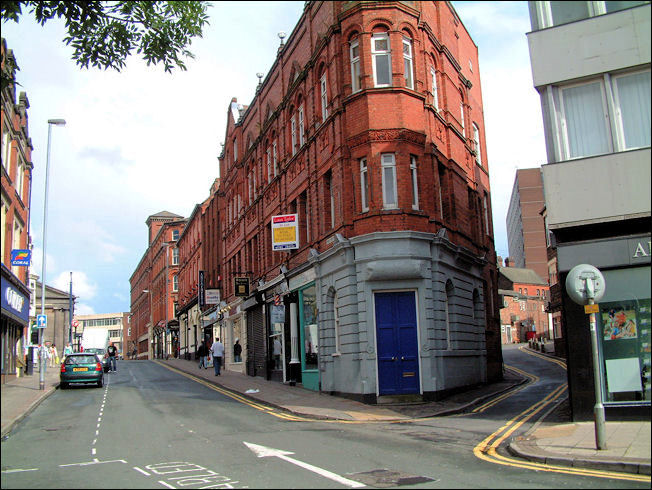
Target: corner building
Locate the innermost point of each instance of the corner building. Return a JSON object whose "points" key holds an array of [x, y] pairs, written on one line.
{"points": [[369, 127]]}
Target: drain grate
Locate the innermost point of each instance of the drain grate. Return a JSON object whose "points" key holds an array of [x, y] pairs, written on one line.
{"points": [[385, 478]]}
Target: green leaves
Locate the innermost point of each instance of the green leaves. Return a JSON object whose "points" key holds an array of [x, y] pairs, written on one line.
{"points": [[103, 34]]}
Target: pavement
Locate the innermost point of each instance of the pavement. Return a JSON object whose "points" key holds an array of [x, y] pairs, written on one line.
{"points": [[547, 442]]}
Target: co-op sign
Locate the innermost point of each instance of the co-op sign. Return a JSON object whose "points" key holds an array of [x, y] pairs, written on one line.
{"points": [[14, 302]]}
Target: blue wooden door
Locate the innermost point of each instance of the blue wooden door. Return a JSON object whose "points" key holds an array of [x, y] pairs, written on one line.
{"points": [[396, 336]]}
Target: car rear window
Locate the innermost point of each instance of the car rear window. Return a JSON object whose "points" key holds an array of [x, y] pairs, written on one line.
{"points": [[81, 360]]}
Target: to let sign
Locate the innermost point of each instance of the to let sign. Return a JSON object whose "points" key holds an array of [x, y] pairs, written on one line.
{"points": [[285, 232]]}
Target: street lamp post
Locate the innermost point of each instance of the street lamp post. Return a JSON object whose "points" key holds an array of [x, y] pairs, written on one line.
{"points": [[41, 364]]}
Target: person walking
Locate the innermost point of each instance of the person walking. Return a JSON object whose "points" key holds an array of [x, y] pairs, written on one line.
{"points": [[55, 355], [202, 352], [217, 350], [67, 349], [113, 357], [237, 351]]}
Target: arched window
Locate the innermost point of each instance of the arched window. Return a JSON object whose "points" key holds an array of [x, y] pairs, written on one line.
{"points": [[450, 291], [354, 53], [408, 66], [323, 94]]}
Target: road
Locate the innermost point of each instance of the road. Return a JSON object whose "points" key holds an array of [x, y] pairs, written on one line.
{"points": [[150, 427]]}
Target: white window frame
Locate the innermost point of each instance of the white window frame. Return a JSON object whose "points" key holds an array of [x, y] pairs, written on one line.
{"points": [[235, 150], [434, 90], [564, 137], [251, 187], [20, 177], [275, 158], [175, 283], [462, 118], [301, 128], [355, 66], [324, 97], [476, 142], [408, 65], [376, 54], [175, 256], [364, 185], [269, 164], [415, 182], [388, 163], [293, 125], [6, 148], [621, 142]]}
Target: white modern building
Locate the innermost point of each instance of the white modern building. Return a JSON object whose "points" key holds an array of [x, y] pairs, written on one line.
{"points": [[591, 67]]}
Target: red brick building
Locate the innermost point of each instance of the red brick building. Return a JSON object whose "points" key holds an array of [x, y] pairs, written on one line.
{"points": [[190, 259], [369, 128], [16, 156], [154, 289], [524, 312]]}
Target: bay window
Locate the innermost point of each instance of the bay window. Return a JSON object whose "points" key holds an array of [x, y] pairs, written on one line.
{"points": [[382, 60], [407, 63], [388, 165], [355, 66]]}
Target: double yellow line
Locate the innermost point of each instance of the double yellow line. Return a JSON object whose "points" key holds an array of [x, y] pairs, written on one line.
{"points": [[487, 449]]}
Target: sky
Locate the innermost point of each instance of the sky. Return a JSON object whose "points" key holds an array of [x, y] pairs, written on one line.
{"points": [[141, 141]]}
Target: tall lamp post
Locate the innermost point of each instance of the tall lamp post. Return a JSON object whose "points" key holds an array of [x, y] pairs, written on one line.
{"points": [[41, 364]]}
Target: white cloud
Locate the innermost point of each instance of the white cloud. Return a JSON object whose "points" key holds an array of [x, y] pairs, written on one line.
{"points": [[82, 287]]}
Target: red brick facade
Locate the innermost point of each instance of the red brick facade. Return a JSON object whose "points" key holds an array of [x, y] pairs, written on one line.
{"points": [[321, 178], [16, 189], [153, 293]]}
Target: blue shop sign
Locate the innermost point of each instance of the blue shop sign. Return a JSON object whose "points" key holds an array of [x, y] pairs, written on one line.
{"points": [[13, 301], [21, 257]]}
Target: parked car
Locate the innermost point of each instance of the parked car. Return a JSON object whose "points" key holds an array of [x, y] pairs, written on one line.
{"points": [[103, 355], [81, 367]]}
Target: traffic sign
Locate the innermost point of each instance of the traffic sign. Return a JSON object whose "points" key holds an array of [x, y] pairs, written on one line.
{"points": [[41, 321], [75, 323]]}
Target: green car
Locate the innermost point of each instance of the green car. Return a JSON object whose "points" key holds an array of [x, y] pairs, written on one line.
{"points": [[81, 367]]}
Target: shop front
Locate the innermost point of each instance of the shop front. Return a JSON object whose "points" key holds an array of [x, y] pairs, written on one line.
{"points": [[15, 319], [623, 323], [309, 337]]}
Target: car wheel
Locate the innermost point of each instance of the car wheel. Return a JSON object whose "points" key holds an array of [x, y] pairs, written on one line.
{"points": [[100, 382], [63, 385]]}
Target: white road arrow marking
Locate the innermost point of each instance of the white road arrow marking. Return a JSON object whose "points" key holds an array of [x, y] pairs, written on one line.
{"points": [[265, 452]]}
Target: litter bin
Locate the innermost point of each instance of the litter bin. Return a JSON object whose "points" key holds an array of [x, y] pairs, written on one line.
{"points": [[29, 369]]}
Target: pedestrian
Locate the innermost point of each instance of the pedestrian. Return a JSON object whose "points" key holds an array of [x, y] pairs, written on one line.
{"points": [[113, 357], [202, 352], [237, 351], [217, 350], [50, 356], [277, 353], [67, 349], [55, 355], [134, 352]]}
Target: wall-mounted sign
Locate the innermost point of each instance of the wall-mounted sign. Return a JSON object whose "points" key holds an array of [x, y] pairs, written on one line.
{"points": [[21, 257], [201, 292], [285, 232], [13, 301], [212, 296], [241, 286]]}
